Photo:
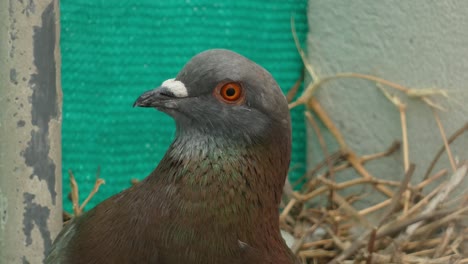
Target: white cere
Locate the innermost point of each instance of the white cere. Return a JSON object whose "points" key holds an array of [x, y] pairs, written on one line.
{"points": [[176, 87]]}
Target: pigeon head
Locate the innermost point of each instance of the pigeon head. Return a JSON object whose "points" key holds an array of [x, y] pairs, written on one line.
{"points": [[221, 93]]}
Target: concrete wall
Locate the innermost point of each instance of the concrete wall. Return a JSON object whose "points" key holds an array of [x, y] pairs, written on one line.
{"points": [[420, 44], [30, 130]]}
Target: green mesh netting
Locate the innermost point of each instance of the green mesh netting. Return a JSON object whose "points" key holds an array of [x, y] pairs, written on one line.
{"points": [[114, 50]]}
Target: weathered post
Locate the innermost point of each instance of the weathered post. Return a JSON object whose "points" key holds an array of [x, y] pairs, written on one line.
{"points": [[30, 129]]}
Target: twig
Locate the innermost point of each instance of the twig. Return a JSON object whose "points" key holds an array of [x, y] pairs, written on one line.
{"points": [[288, 191], [396, 226], [441, 248], [370, 246], [431, 226], [432, 104], [425, 200], [339, 186], [382, 259], [443, 148], [431, 179], [444, 138], [366, 158], [453, 182], [322, 242], [95, 189], [323, 146], [134, 181], [299, 243], [353, 159], [75, 194], [404, 134], [375, 207], [397, 197], [301, 52], [77, 208], [293, 91], [348, 208], [287, 209], [312, 87], [361, 241], [394, 147], [320, 112], [335, 157], [335, 238]]}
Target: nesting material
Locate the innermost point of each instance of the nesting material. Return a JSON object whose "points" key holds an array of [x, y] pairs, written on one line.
{"points": [[411, 227], [415, 223]]}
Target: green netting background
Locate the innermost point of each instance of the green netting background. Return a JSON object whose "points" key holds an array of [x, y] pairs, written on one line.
{"points": [[114, 50]]}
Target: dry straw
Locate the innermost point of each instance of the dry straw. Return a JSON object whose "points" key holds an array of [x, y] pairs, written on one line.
{"points": [[413, 227]]}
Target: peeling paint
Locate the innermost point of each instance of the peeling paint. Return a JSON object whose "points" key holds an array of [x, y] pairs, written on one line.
{"points": [[13, 36], [25, 260], [10, 8], [43, 102], [13, 76], [20, 123], [13, 32], [3, 210], [36, 215], [29, 8]]}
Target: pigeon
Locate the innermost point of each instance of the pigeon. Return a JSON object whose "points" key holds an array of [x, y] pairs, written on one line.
{"points": [[215, 195]]}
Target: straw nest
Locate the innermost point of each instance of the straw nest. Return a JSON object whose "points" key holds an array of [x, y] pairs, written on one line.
{"points": [[424, 222]]}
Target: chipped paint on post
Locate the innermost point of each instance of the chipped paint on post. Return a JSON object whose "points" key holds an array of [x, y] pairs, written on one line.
{"points": [[3, 210], [30, 130], [36, 215], [44, 91]]}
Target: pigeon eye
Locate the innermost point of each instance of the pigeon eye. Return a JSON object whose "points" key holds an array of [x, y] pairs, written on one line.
{"points": [[230, 92]]}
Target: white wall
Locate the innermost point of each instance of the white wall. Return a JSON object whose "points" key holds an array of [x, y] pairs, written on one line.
{"points": [[420, 44]]}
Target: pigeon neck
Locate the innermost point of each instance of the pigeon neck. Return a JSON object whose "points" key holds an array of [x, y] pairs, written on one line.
{"points": [[226, 187]]}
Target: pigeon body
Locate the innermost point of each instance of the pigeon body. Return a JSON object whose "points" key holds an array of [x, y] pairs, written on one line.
{"points": [[214, 196]]}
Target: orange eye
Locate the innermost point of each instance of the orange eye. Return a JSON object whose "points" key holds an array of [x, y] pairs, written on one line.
{"points": [[230, 92]]}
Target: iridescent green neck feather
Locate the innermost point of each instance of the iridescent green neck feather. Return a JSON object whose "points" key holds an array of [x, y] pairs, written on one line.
{"points": [[224, 190]]}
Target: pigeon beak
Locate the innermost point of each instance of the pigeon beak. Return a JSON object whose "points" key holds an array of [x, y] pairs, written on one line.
{"points": [[160, 97], [164, 97]]}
